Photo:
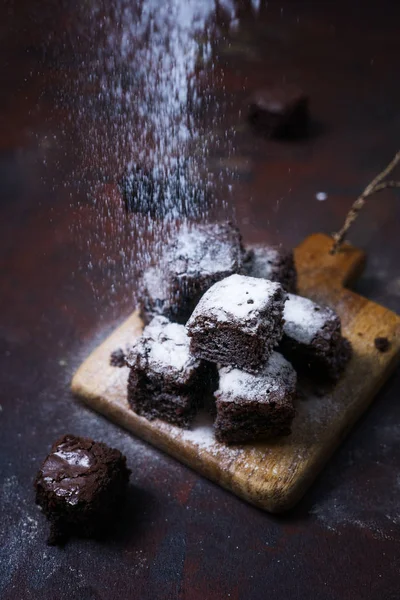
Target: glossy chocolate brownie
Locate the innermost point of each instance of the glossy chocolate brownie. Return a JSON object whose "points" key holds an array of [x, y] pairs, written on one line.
{"points": [[79, 486], [165, 380], [252, 406], [273, 263], [238, 322], [312, 339], [280, 111], [197, 257]]}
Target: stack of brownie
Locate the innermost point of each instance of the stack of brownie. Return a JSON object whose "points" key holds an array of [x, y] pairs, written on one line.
{"points": [[237, 324], [242, 328]]}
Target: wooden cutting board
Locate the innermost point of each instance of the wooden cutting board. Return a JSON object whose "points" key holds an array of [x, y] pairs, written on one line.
{"points": [[271, 475]]}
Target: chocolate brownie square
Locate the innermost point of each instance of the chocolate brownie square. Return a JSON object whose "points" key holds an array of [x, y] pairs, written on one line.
{"points": [[79, 486], [273, 263], [199, 256], [280, 111], [165, 380], [238, 322], [117, 358], [312, 339], [251, 406]]}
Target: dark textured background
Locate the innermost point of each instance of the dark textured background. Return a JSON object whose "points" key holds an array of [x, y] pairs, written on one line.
{"points": [[181, 536]]}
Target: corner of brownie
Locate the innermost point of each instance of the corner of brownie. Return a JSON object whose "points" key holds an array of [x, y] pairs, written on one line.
{"points": [[273, 263], [166, 381], [161, 294], [382, 344], [79, 486], [238, 322], [251, 406]]}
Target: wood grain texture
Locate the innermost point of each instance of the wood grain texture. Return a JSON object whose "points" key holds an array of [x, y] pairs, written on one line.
{"points": [[272, 475]]}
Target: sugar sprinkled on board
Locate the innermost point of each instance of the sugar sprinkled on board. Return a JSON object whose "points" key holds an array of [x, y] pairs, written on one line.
{"points": [[153, 69], [201, 435], [304, 318]]}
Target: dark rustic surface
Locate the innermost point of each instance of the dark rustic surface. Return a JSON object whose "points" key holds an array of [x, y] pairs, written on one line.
{"points": [[181, 536]]}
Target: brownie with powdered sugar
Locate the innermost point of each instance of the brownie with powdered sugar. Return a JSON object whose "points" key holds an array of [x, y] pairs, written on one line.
{"points": [[312, 339], [198, 257], [251, 406], [273, 263], [238, 322], [166, 381]]}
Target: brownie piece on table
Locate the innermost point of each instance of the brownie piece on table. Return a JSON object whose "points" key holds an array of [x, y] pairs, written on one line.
{"points": [[79, 486], [250, 406], [197, 257], [312, 339], [280, 111], [238, 322], [165, 380], [272, 262], [117, 358]]}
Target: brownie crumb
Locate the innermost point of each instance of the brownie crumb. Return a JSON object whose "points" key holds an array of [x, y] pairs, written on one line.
{"points": [[117, 358], [382, 344], [166, 381]]}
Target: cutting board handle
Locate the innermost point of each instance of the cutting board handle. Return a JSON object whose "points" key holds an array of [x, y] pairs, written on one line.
{"points": [[322, 270]]}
